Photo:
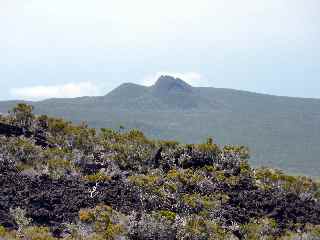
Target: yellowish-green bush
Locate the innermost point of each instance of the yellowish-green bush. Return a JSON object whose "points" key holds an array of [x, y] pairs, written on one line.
{"points": [[132, 136], [208, 147], [23, 166], [58, 167], [97, 177], [216, 232], [242, 151], [232, 180], [197, 227], [209, 168], [22, 114], [311, 232], [57, 153], [219, 175], [267, 178], [145, 181], [42, 121], [108, 135], [168, 215], [58, 126], [38, 233], [206, 202], [185, 176], [23, 150], [131, 150], [59, 163], [103, 218], [264, 228], [245, 169], [2, 231], [84, 138], [168, 144], [19, 216]]}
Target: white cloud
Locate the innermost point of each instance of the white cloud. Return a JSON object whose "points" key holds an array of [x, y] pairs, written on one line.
{"points": [[193, 78], [68, 90]]}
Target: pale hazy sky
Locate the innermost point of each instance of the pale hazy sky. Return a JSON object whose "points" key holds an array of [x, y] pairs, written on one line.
{"points": [[67, 48]]}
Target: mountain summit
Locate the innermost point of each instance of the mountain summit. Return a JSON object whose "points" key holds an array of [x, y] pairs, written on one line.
{"points": [[168, 93], [169, 84]]}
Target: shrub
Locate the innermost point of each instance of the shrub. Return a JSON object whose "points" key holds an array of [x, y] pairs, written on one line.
{"points": [[268, 178], [171, 216], [19, 216], [151, 226], [2, 231], [206, 202], [168, 144], [187, 177], [145, 181], [58, 164], [311, 232], [22, 114], [42, 122], [241, 151], [86, 215], [97, 177], [264, 228], [58, 126], [194, 227], [105, 220], [38, 233], [24, 150], [209, 147]]}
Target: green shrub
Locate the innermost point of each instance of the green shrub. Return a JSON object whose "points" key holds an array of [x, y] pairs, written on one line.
{"points": [[268, 178], [97, 177], [22, 114], [104, 220], [168, 215], [264, 228], [206, 202], [185, 176], [209, 147], [19, 216], [2, 231], [242, 151], [145, 181], [38, 233], [197, 227], [168, 144]]}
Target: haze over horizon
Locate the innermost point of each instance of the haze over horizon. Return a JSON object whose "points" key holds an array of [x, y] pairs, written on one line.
{"points": [[77, 48], [86, 89]]}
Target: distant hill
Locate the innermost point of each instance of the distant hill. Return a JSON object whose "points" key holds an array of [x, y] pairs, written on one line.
{"points": [[282, 132]]}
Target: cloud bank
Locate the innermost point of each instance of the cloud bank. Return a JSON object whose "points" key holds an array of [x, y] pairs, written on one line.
{"points": [[68, 90]]}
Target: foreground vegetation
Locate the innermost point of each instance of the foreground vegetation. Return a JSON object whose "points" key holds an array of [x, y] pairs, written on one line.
{"points": [[60, 180]]}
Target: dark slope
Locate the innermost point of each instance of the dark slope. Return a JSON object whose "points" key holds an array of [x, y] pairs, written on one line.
{"points": [[281, 132]]}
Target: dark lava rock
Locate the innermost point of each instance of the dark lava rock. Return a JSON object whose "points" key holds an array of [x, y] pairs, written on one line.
{"points": [[15, 131], [49, 202]]}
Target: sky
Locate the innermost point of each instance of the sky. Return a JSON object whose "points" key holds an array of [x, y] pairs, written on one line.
{"points": [[70, 48]]}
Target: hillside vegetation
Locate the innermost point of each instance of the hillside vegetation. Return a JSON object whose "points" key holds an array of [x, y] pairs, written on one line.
{"points": [[281, 132], [59, 180]]}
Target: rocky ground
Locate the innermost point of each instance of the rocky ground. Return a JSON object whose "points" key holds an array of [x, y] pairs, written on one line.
{"points": [[76, 183]]}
